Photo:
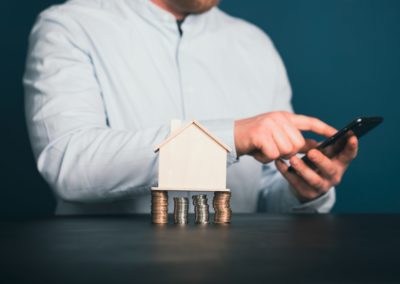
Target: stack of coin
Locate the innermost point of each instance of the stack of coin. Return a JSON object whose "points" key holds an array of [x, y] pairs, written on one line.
{"points": [[201, 209], [159, 207], [222, 208], [181, 207]]}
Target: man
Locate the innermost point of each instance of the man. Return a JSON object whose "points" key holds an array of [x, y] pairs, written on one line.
{"points": [[105, 77]]}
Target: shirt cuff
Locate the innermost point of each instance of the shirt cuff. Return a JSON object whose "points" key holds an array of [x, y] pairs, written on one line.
{"points": [[223, 129], [322, 204]]}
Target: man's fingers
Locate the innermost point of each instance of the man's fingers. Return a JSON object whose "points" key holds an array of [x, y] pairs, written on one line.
{"points": [[259, 156], [309, 144], [267, 150], [300, 189], [349, 152], [283, 142], [295, 137], [309, 175], [325, 165], [307, 123]]}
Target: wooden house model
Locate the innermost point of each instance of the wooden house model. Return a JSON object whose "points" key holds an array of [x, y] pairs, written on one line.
{"points": [[192, 159]]}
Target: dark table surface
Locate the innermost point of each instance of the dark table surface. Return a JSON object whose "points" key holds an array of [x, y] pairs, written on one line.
{"points": [[254, 248]]}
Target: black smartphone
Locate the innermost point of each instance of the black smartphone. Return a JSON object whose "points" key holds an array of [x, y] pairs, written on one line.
{"points": [[335, 144]]}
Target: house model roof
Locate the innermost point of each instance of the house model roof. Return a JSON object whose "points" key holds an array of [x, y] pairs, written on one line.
{"points": [[198, 125]]}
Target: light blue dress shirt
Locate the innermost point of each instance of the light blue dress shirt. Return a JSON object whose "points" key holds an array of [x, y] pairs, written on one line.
{"points": [[105, 77]]}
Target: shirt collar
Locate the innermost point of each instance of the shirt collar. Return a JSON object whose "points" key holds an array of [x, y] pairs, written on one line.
{"points": [[151, 12]]}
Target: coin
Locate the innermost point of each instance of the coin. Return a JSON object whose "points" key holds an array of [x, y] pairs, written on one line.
{"points": [[159, 207], [221, 204], [201, 209], [181, 207]]}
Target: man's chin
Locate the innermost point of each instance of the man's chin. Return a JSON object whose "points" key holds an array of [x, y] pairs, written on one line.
{"points": [[193, 6]]}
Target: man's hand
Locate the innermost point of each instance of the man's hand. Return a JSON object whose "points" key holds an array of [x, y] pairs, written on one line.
{"points": [[310, 184], [277, 135]]}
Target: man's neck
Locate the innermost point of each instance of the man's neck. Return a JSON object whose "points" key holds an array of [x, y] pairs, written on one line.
{"points": [[164, 6]]}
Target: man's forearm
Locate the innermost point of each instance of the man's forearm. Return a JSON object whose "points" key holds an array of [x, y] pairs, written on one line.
{"points": [[100, 163]]}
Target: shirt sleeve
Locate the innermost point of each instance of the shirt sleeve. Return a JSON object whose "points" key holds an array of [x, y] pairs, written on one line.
{"points": [[77, 153], [276, 194]]}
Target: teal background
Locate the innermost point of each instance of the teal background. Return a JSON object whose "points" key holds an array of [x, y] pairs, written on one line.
{"points": [[342, 58]]}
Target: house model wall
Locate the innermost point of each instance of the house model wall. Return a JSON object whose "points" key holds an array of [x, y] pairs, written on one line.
{"points": [[192, 159]]}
